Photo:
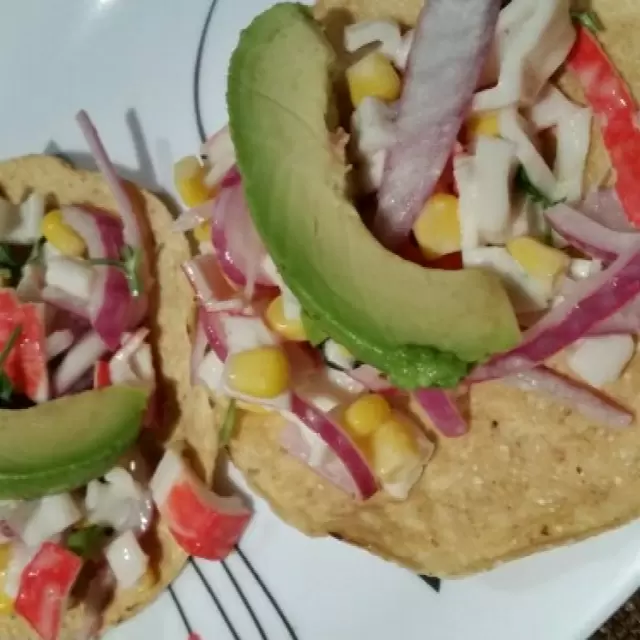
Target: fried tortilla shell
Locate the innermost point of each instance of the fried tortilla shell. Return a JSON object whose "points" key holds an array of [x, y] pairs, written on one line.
{"points": [[184, 415], [530, 475]]}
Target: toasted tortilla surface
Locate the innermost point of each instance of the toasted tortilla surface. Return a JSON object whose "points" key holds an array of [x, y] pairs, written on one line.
{"points": [[530, 475], [184, 414]]}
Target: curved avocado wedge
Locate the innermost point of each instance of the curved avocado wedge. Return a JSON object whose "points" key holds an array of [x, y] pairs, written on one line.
{"points": [[421, 326], [63, 444]]}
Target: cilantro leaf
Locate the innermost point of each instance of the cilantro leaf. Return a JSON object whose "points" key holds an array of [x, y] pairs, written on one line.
{"points": [[523, 183], [6, 259], [589, 20], [129, 264], [87, 541], [6, 386]]}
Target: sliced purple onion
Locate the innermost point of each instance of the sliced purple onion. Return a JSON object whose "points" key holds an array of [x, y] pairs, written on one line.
{"points": [[450, 49]]}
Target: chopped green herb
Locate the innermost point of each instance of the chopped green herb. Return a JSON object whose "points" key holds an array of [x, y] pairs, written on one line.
{"points": [[129, 264], [589, 20], [86, 542], [6, 259], [228, 423], [523, 183], [6, 386]]}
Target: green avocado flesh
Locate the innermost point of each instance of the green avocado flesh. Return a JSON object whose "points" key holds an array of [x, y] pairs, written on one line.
{"points": [[423, 327], [63, 444]]}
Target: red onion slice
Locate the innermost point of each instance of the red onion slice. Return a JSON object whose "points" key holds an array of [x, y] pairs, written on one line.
{"points": [[604, 206], [110, 306], [450, 48], [590, 403], [596, 299], [132, 233], [212, 291], [238, 246], [340, 443], [589, 236], [330, 467], [214, 332], [442, 411]]}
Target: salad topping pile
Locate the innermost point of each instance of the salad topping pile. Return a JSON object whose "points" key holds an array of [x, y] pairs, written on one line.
{"points": [[77, 383], [475, 159]]}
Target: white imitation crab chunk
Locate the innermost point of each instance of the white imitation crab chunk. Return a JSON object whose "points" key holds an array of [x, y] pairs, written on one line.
{"points": [[116, 502], [51, 516], [572, 126], [513, 127], [204, 524], [126, 559], [74, 277], [244, 333], [465, 174], [526, 294], [391, 43], [384, 32], [601, 360], [373, 131], [534, 38], [495, 162]]}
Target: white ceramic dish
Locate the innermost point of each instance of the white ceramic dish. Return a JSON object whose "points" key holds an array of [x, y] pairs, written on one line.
{"points": [[112, 58]]}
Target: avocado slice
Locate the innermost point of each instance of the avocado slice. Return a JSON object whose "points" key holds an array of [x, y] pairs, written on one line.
{"points": [[423, 327], [61, 445]]}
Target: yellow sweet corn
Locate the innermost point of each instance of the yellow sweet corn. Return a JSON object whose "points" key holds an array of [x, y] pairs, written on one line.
{"points": [[288, 329], [202, 233], [63, 237], [363, 416], [188, 176], [393, 446], [373, 76], [6, 603], [437, 229], [483, 124], [261, 372], [541, 262]]}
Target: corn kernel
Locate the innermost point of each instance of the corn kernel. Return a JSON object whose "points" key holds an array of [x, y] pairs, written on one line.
{"points": [[373, 76], [483, 124], [63, 237], [288, 329], [437, 229], [393, 447], [188, 176], [541, 262], [261, 372], [202, 233], [6, 603], [366, 414], [5, 556]]}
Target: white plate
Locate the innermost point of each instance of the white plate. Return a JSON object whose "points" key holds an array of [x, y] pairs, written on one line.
{"points": [[112, 56]]}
